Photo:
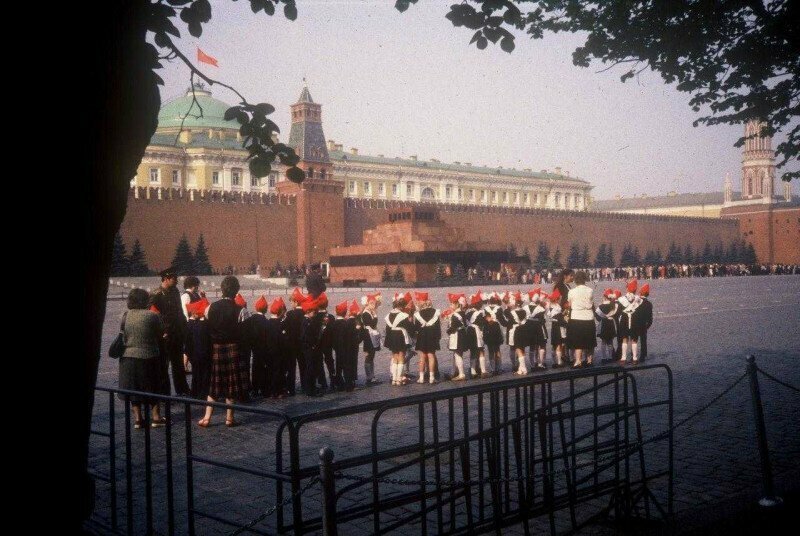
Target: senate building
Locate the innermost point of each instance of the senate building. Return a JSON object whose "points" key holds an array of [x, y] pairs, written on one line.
{"points": [[195, 148]]}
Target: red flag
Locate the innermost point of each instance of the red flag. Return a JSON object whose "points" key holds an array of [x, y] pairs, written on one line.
{"points": [[205, 58]]}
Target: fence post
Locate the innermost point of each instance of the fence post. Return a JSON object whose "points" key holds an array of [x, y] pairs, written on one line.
{"points": [[328, 483], [769, 498]]}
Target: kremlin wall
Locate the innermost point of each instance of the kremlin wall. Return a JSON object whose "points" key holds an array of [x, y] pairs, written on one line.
{"points": [[195, 181]]}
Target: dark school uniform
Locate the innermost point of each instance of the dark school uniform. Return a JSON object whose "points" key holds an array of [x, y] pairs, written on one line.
{"points": [[198, 347], [429, 330]]}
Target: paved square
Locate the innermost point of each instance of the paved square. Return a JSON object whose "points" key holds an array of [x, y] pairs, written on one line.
{"points": [[703, 330]]}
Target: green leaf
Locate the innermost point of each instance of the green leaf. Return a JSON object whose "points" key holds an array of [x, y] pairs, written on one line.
{"points": [[256, 5], [482, 43], [259, 167], [161, 40], [203, 9], [231, 113], [401, 5], [195, 29], [507, 44], [290, 11], [264, 108], [296, 175], [269, 8]]}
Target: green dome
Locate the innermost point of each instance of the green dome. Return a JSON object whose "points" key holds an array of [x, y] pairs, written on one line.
{"points": [[213, 116]]}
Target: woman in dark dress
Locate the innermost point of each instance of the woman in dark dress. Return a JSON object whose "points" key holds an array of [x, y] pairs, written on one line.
{"points": [[398, 329], [198, 348], [493, 335], [227, 379], [368, 319], [429, 334], [139, 367]]}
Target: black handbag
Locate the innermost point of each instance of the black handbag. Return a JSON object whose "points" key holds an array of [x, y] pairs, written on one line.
{"points": [[118, 346]]}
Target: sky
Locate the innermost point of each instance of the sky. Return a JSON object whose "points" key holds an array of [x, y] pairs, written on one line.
{"points": [[402, 84]]}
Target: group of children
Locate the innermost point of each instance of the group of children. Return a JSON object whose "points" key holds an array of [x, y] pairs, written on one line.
{"points": [[276, 341]]}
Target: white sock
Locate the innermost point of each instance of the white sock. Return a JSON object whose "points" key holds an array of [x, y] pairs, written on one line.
{"points": [[393, 370], [635, 350], [541, 356], [482, 362], [432, 376], [559, 357], [623, 355], [421, 378], [459, 364], [522, 368]]}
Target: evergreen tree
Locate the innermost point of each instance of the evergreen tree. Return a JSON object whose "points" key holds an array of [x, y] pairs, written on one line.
{"points": [[556, 262], [733, 253], [512, 253], [659, 256], [527, 254], [626, 258], [708, 255], [183, 261], [749, 256], [674, 255], [459, 274], [202, 266], [650, 258], [600, 259], [688, 254], [399, 275], [386, 276], [574, 257], [119, 258], [543, 261], [137, 262], [610, 256], [719, 253], [585, 257], [636, 257]]}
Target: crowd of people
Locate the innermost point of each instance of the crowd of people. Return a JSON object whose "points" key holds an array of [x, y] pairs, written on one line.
{"points": [[511, 275], [235, 355]]}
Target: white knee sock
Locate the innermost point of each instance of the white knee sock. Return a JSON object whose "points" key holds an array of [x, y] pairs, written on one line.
{"points": [[522, 368], [393, 370], [559, 357], [542, 352], [635, 350], [482, 362], [459, 360], [623, 356]]}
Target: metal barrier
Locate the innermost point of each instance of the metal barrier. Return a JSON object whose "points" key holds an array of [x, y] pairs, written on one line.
{"points": [[490, 455], [160, 456]]}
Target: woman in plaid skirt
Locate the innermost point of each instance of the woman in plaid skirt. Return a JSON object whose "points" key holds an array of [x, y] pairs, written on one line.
{"points": [[228, 380]]}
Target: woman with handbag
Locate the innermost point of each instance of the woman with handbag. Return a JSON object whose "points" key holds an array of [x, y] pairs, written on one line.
{"points": [[141, 332]]}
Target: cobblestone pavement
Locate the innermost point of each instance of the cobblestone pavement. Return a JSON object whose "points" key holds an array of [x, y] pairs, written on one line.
{"points": [[703, 330]]}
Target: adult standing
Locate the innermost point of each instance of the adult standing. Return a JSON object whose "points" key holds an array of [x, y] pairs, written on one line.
{"points": [[643, 317], [191, 294], [139, 365], [167, 300], [581, 329], [562, 285], [226, 335], [293, 325]]}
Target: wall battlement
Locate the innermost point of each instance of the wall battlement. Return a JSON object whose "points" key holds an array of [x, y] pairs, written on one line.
{"points": [[209, 196]]}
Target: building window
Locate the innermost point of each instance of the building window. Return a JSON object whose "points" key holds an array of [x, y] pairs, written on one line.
{"points": [[524, 199], [236, 177], [381, 189], [176, 176], [254, 182], [448, 190], [460, 194], [535, 199], [310, 173], [471, 194], [427, 193], [575, 202], [494, 197], [394, 190], [215, 178], [483, 195], [367, 188], [558, 200], [322, 174], [505, 197], [544, 200], [352, 187], [409, 189], [154, 175], [273, 179], [514, 198]]}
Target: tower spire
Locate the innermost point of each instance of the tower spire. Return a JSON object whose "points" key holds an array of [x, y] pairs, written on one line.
{"points": [[758, 163]]}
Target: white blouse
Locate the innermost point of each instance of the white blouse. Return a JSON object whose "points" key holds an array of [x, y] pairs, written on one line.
{"points": [[580, 299]]}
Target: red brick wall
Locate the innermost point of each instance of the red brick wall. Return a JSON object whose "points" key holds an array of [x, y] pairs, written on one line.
{"points": [[261, 230], [501, 227], [773, 231]]}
